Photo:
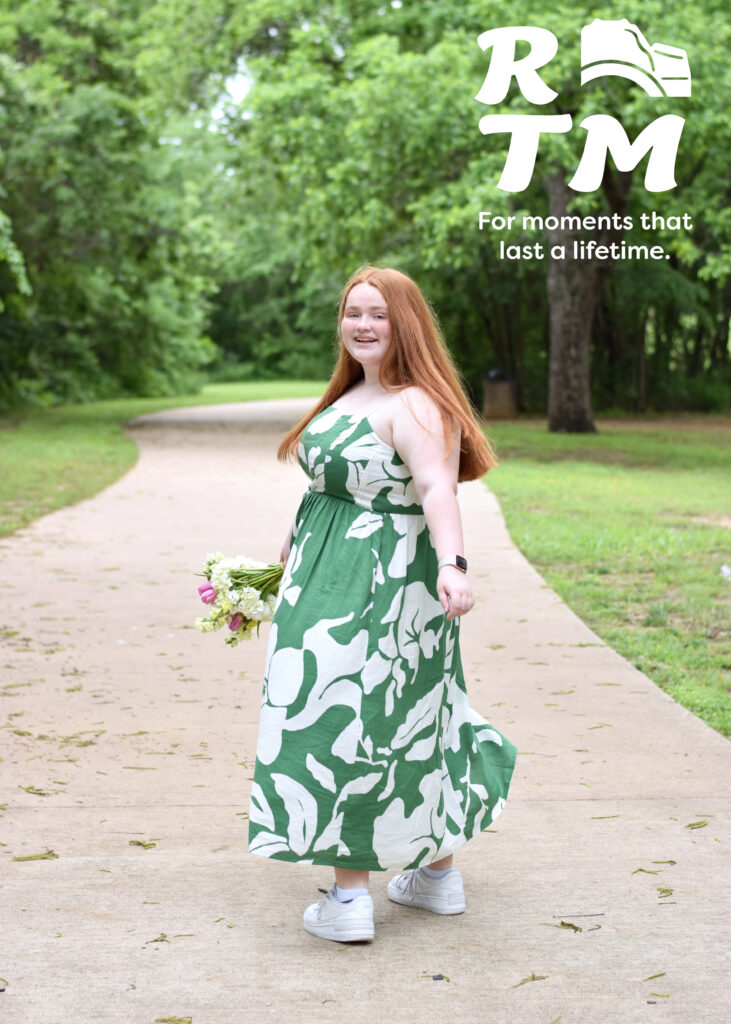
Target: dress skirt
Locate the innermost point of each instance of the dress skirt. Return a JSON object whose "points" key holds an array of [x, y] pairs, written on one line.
{"points": [[369, 755]]}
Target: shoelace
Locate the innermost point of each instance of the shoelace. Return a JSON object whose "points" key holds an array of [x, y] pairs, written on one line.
{"points": [[410, 886], [323, 902]]}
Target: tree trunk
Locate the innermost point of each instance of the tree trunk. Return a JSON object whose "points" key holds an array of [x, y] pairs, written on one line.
{"points": [[573, 288], [719, 344], [641, 364]]}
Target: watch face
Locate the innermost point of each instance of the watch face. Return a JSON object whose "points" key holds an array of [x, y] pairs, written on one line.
{"points": [[461, 563]]}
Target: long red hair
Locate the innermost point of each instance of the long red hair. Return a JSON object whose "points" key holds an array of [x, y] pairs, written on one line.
{"points": [[416, 356]]}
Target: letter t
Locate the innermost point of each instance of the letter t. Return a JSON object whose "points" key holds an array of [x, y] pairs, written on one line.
{"points": [[526, 132]]}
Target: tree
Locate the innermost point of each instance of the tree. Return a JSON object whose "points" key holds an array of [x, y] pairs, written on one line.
{"points": [[14, 271], [103, 209], [575, 286]]}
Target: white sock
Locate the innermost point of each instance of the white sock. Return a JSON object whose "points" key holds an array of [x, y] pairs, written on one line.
{"points": [[432, 873], [346, 895]]}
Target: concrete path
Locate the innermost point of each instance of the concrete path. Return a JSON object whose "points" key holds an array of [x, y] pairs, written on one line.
{"points": [[127, 747]]}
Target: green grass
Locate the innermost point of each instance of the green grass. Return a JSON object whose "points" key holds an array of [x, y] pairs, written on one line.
{"points": [[55, 457], [631, 527]]}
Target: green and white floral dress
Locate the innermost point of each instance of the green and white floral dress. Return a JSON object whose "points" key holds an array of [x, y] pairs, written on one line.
{"points": [[369, 755]]}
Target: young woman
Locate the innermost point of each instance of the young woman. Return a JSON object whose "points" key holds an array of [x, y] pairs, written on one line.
{"points": [[369, 757]]}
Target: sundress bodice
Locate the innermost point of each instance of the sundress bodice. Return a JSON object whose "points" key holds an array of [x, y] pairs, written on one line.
{"points": [[346, 459]]}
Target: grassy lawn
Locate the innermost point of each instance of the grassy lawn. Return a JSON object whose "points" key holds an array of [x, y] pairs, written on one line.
{"points": [[55, 457], [631, 527]]}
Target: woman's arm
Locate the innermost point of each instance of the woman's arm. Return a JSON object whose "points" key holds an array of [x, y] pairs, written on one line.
{"points": [[418, 437]]}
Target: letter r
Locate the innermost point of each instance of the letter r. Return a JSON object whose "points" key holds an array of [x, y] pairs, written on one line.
{"points": [[503, 65]]}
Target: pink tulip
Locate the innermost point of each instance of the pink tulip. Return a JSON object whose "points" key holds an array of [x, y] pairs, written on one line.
{"points": [[236, 622], [207, 593]]}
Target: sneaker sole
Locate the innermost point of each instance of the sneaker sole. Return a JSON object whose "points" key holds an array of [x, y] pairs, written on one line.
{"points": [[344, 932], [434, 905]]}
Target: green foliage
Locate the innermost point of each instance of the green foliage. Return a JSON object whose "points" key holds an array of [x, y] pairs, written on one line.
{"points": [[138, 246], [358, 141], [109, 221]]}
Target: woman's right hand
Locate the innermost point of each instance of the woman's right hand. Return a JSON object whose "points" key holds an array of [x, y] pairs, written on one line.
{"points": [[455, 593]]}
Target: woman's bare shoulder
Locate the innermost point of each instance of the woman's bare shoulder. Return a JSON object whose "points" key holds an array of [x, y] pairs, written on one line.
{"points": [[417, 404], [418, 419]]}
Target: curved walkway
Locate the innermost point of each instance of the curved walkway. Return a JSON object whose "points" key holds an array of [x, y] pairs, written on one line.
{"points": [[128, 740]]}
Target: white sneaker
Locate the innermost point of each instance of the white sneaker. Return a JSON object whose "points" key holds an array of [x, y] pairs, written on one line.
{"points": [[440, 895], [341, 922]]}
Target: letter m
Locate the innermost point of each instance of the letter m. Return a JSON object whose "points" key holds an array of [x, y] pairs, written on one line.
{"points": [[606, 135]]}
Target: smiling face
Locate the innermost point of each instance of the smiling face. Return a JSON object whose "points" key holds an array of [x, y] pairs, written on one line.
{"points": [[365, 326]]}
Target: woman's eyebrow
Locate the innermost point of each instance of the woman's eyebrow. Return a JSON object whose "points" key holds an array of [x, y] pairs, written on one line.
{"points": [[380, 309]]}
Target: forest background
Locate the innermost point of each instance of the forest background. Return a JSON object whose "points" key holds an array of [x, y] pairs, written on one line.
{"points": [[185, 186]]}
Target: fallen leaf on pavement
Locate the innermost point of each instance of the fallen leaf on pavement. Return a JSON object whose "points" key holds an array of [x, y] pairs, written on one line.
{"points": [[531, 977]]}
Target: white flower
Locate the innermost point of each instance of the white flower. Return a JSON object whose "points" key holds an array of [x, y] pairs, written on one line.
{"points": [[232, 597]]}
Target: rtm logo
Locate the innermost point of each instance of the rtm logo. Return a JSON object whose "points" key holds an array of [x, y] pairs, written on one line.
{"points": [[607, 48]]}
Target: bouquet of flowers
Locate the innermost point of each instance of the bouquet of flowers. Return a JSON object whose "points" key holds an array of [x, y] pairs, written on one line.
{"points": [[240, 593]]}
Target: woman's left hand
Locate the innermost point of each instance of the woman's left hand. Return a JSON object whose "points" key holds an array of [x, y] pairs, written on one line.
{"points": [[454, 591]]}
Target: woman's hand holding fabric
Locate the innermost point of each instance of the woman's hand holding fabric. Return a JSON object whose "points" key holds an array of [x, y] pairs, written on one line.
{"points": [[454, 591]]}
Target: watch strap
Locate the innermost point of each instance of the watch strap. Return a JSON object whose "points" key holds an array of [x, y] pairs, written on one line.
{"points": [[456, 560]]}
